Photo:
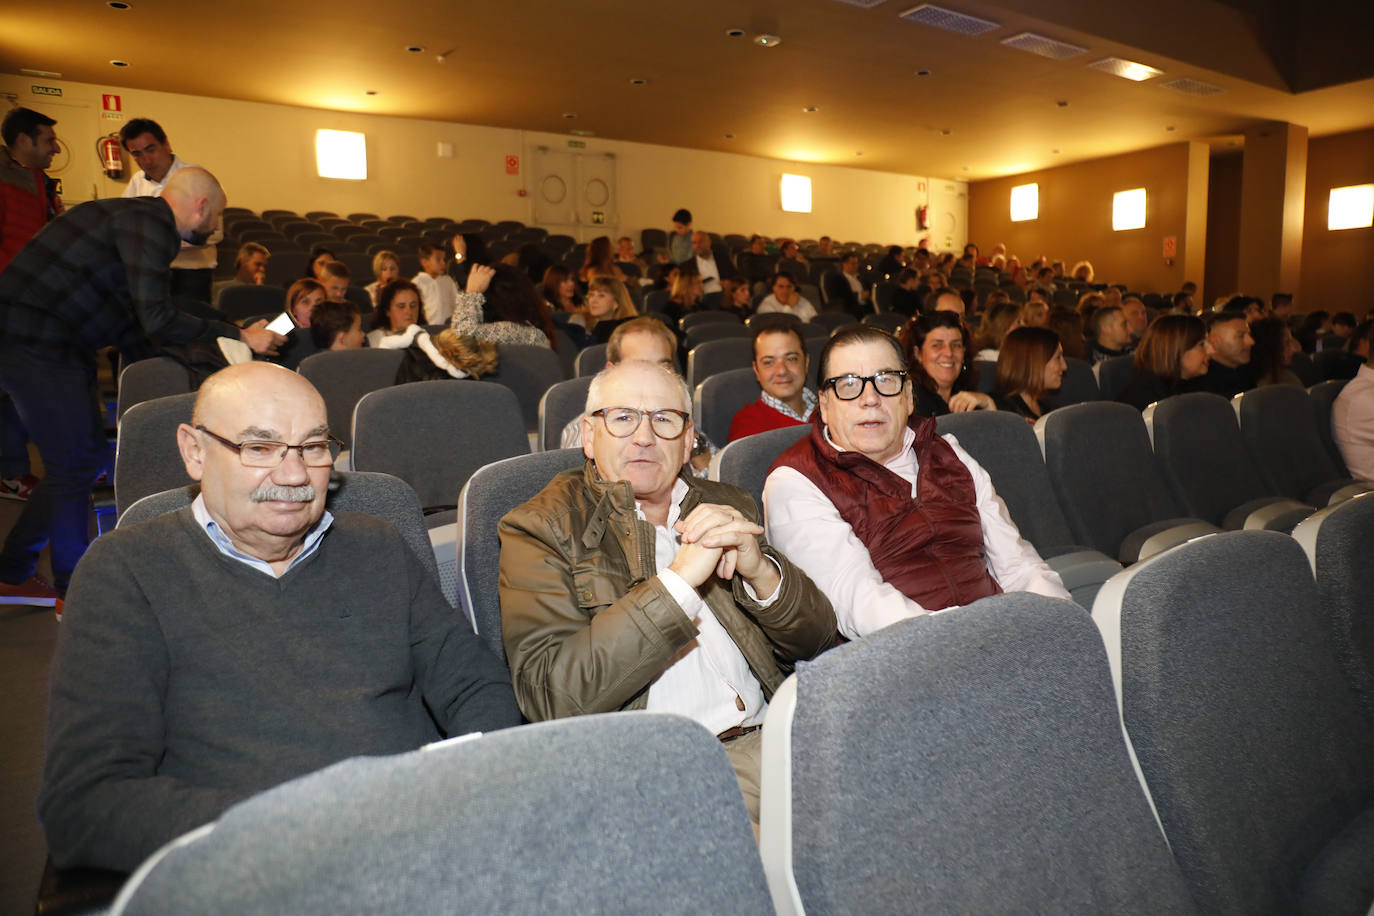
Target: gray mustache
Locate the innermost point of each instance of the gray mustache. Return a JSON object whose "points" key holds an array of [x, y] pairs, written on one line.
{"points": [[270, 492]]}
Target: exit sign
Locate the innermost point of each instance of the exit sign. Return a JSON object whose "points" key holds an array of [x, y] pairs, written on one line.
{"points": [[578, 144], [54, 91]]}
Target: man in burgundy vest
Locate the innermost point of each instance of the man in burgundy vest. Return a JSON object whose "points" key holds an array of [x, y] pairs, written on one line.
{"points": [[889, 518]]}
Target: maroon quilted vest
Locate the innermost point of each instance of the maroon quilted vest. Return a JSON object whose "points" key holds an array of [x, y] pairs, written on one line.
{"points": [[929, 547]]}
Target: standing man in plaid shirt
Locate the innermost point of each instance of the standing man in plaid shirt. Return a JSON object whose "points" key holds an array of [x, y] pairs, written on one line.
{"points": [[97, 276]]}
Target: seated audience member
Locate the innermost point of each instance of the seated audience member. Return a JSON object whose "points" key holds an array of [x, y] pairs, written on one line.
{"points": [[890, 519], [215, 652], [500, 306], [711, 271], [845, 290], [1171, 359], [1273, 353], [1036, 312], [1182, 304], [559, 290], [1068, 324], [1315, 325], [1229, 343], [791, 262], [999, 319], [1083, 270], [1088, 304], [1342, 327], [685, 293], [625, 254], [1352, 416], [608, 304], [645, 339], [780, 364], [1110, 335], [785, 298], [250, 267], [945, 299], [1030, 365], [906, 300], [891, 264], [1281, 306], [334, 277], [337, 326], [627, 584], [304, 296], [735, 296], [386, 268], [1137, 318], [755, 263], [680, 239], [398, 308], [314, 266], [437, 290], [599, 262], [943, 379]]}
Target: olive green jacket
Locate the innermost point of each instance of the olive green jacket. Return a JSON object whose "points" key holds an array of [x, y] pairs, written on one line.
{"points": [[587, 624]]}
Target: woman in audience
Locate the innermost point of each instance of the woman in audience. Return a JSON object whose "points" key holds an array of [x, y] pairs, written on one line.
{"points": [[735, 296], [319, 256], [301, 300], [560, 290], [608, 304], [600, 261], [1030, 364], [940, 361], [785, 298], [1067, 323], [386, 267], [500, 306], [685, 293], [1171, 359], [1273, 352], [999, 319], [398, 307], [1083, 270]]}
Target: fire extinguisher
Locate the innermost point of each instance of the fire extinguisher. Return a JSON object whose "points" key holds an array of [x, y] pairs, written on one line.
{"points": [[923, 217], [111, 160]]}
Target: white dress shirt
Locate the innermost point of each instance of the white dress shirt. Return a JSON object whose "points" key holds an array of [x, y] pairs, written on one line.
{"points": [[439, 294], [191, 257], [804, 525], [710, 274], [1352, 424]]}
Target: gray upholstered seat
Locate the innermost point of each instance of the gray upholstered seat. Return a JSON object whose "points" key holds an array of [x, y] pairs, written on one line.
{"points": [[146, 379], [1324, 396], [591, 360], [1113, 373], [1106, 481], [891, 322], [489, 494], [1005, 446], [1337, 541], [147, 459], [706, 359], [692, 319], [342, 377], [625, 813], [1249, 739], [719, 397], [1279, 425], [1079, 385], [699, 334], [1208, 469], [560, 404], [745, 462], [529, 371], [970, 761]]}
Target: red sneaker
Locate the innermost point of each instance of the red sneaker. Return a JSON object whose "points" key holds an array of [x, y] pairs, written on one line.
{"points": [[18, 487], [35, 592]]}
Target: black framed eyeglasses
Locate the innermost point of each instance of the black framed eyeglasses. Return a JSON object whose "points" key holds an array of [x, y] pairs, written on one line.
{"points": [[889, 383], [622, 422], [264, 453]]}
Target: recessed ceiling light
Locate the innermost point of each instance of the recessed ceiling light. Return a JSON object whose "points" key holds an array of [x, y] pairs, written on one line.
{"points": [[117, 5], [372, 92], [415, 49], [569, 115], [1062, 103], [923, 72], [1055, 151], [810, 109], [944, 131], [119, 63], [765, 40], [1126, 69], [1169, 127], [965, 168], [638, 81], [858, 152], [734, 33], [729, 136]]}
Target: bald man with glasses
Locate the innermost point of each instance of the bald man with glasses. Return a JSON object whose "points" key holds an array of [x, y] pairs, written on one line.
{"points": [[630, 584], [212, 653]]}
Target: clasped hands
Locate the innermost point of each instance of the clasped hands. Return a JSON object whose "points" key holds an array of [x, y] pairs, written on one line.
{"points": [[720, 539]]}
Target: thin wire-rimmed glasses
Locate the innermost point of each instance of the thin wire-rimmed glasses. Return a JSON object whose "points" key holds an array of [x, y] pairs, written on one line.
{"points": [[264, 453], [622, 422], [888, 383]]}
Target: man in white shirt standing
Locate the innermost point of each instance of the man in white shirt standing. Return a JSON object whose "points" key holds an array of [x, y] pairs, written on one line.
{"points": [[437, 289], [889, 518], [193, 268], [629, 584]]}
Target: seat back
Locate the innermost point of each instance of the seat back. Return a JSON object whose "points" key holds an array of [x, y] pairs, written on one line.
{"points": [[891, 322], [1079, 385], [1202, 456], [745, 462], [1113, 373], [715, 330], [719, 397], [433, 435], [147, 459], [706, 359], [1323, 396], [591, 360], [491, 492], [1251, 744], [1279, 426], [248, 300], [342, 377], [986, 370], [158, 377], [970, 761], [1103, 472], [560, 404], [528, 371], [505, 823]]}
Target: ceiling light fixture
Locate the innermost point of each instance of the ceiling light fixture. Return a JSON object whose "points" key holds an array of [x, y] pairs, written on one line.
{"points": [[372, 92], [569, 115], [415, 49], [117, 5], [638, 81], [119, 63], [1126, 69], [764, 40], [810, 109], [729, 136], [923, 72], [734, 33]]}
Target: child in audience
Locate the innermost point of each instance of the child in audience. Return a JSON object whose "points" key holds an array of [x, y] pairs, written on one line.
{"points": [[337, 326], [1030, 364], [437, 289], [334, 276], [386, 267]]}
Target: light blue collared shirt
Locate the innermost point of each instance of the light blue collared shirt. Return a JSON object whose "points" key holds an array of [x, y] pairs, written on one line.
{"points": [[226, 546]]}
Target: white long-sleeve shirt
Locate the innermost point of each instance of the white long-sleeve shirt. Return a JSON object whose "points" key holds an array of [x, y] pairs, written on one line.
{"points": [[804, 524], [191, 257]]}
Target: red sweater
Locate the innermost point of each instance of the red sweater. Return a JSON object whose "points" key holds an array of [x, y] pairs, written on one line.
{"points": [[758, 417], [28, 200]]}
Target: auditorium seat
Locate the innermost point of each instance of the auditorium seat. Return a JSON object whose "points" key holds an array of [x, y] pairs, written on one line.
{"points": [[1078, 385], [529, 371], [986, 371], [1113, 373], [1336, 541], [692, 319], [716, 330], [833, 321], [1324, 396], [1248, 738], [706, 359], [745, 462], [559, 405], [590, 360], [156, 377], [970, 761], [342, 377], [1279, 424], [1106, 481], [717, 399], [1207, 468], [147, 458], [891, 322]]}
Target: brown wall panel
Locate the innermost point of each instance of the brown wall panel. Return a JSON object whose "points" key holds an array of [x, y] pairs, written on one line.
{"points": [[1337, 267]]}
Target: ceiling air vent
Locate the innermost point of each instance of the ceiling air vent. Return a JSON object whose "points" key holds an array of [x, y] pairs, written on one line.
{"points": [[1191, 86], [949, 20], [1126, 69], [866, 4], [1045, 47]]}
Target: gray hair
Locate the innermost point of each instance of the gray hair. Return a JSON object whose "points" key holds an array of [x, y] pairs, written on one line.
{"points": [[608, 374]]}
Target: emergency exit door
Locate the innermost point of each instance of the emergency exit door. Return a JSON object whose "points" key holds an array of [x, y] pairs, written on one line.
{"points": [[576, 193]]}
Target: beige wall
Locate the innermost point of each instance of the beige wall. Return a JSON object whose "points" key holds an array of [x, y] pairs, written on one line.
{"points": [[1337, 267], [1075, 219], [1223, 228], [264, 155]]}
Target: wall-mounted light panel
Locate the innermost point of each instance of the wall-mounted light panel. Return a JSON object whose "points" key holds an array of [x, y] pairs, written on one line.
{"points": [[341, 154], [1025, 202], [1351, 207], [1128, 209], [796, 193]]}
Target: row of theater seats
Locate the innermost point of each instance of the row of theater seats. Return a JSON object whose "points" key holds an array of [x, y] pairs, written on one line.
{"points": [[1201, 743]]}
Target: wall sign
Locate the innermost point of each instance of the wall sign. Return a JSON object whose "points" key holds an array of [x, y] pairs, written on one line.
{"points": [[512, 165]]}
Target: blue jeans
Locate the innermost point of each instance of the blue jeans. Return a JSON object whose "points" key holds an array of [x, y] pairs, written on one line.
{"points": [[14, 440], [57, 403]]}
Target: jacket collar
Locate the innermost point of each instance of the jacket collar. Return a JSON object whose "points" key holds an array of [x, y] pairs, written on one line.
{"points": [[612, 498]]}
